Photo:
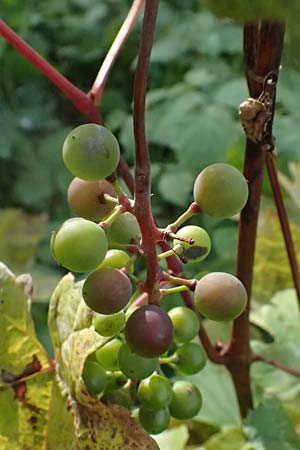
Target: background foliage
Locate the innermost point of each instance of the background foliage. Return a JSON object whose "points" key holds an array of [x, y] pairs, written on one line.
{"points": [[196, 84]]}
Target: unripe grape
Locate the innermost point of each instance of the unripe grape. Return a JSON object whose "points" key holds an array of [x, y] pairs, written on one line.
{"points": [[79, 245], [221, 190], [220, 296], [115, 380], [186, 323], [115, 258], [154, 422], [107, 355], [125, 230], [149, 331], [155, 392], [186, 401], [94, 377], [91, 152], [109, 325], [107, 290], [134, 366], [86, 198], [120, 397], [199, 249], [191, 358]]}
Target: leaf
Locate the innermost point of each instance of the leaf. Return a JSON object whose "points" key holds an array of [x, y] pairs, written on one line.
{"points": [[97, 426], [272, 271], [29, 394], [28, 391], [280, 319], [20, 234], [232, 93], [173, 439], [269, 426], [219, 400], [230, 438], [175, 186], [63, 309]]}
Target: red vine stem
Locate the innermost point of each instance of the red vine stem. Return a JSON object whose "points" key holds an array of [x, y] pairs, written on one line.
{"points": [[142, 205], [273, 362], [81, 101], [262, 49], [282, 214], [105, 69]]}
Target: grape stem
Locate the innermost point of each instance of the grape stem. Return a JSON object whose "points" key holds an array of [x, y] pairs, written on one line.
{"points": [[116, 212], [142, 205], [260, 358], [190, 284], [173, 290], [192, 210], [99, 84]]}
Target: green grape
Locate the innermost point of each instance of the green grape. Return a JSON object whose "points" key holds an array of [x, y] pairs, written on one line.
{"points": [[155, 392], [125, 230], [221, 190], [94, 377], [86, 198], [107, 355], [109, 325], [220, 296], [79, 245], [116, 258], [186, 401], [91, 152], [186, 323], [120, 397], [191, 358], [193, 252], [107, 291], [154, 422], [115, 380], [134, 366]]}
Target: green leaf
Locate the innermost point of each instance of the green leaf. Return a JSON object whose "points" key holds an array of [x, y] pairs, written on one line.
{"points": [[219, 400], [230, 438], [19, 345], [63, 309], [280, 319], [173, 439], [97, 426], [175, 185], [32, 408], [20, 234], [232, 93], [270, 427]]}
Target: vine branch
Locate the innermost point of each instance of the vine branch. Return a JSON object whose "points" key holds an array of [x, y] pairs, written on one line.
{"points": [[262, 50], [284, 223], [260, 358], [99, 84], [80, 100], [142, 204]]}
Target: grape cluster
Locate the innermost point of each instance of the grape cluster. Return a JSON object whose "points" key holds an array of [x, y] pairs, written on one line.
{"points": [[129, 369], [148, 348]]}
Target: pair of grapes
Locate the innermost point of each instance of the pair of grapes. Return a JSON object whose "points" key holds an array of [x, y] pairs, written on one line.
{"points": [[144, 339], [155, 400]]}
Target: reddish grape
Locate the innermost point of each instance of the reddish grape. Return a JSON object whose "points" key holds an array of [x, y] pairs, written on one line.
{"points": [[86, 198], [149, 331], [107, 290], [220, 296]]}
